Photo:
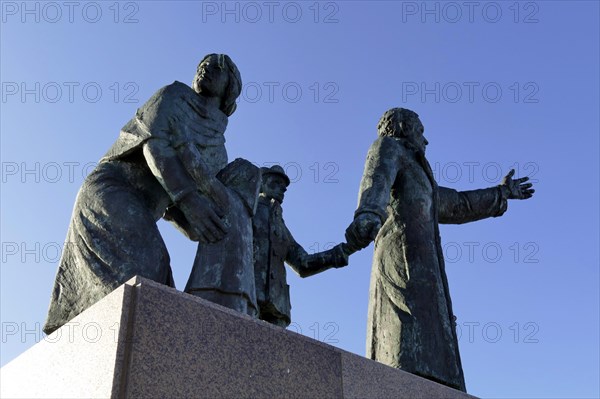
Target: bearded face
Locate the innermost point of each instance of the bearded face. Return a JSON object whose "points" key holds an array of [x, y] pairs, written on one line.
{"points": [[413, 132]]}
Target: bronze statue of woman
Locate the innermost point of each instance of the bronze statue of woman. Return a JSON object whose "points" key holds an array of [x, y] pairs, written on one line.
{"points": [[163, 164]]}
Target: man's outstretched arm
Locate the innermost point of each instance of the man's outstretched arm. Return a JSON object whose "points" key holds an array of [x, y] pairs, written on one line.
{"points": [[456, 207]]}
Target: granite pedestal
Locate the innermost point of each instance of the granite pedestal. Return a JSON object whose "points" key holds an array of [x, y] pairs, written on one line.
{"points": [[146, 340]]}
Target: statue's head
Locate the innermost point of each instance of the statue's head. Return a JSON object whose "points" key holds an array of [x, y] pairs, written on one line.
{"points": [[274, 183], [218, 76], [404, 124]]}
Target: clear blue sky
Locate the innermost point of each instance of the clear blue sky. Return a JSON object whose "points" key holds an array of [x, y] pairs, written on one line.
{"points": [[497, 85]]}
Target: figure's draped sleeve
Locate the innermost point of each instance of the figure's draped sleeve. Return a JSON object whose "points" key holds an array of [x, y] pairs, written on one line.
{"points": [[174, 119], [150, 120], [381, 167], [306, 265], [182, 142], [168, 169], [175, 113], [457, 207]]}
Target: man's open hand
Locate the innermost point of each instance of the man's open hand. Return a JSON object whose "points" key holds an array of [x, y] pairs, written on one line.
{"points": [[516, 188]]}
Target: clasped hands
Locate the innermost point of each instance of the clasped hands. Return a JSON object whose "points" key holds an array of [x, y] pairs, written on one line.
{"points": [[362, 231]]}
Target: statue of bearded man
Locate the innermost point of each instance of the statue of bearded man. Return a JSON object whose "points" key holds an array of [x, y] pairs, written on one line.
{"points": [[410, 322]]}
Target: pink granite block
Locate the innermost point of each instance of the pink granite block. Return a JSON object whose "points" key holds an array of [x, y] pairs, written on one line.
{"points": [[183, 346], [365, 378], [156, 342], [84, 358]]}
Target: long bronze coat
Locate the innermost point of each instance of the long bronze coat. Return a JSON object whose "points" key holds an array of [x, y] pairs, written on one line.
{"points": [[410, 319]]}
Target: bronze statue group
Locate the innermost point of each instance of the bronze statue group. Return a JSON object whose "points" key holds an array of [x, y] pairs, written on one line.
{"points": [[170, 162]]}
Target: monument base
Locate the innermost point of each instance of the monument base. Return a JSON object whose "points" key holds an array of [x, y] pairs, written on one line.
{"points": [[148, 340]]}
